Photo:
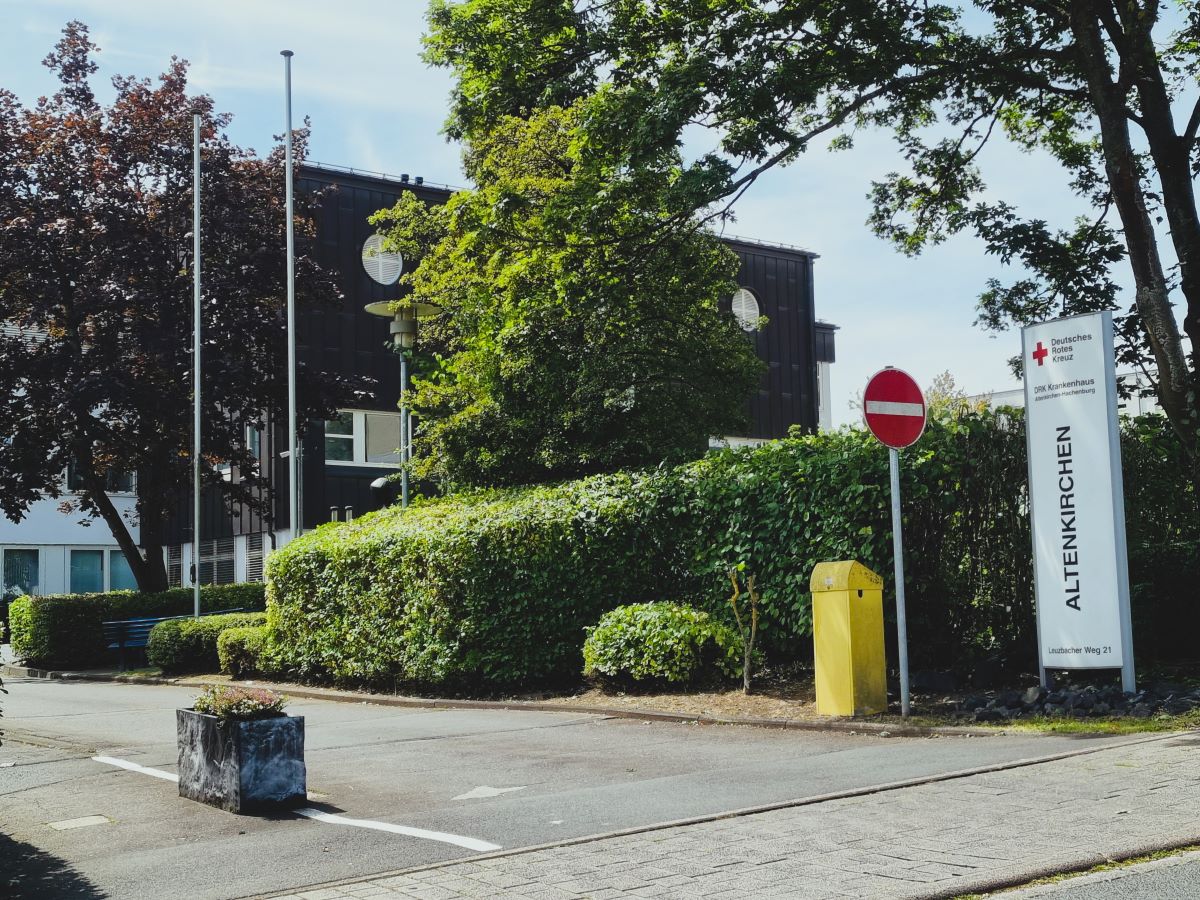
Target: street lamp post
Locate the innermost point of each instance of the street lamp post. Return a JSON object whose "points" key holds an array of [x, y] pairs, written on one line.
{"points": [[404, 324], [296, 518]]}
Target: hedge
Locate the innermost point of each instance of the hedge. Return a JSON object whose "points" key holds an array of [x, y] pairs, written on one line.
{"points": [[652, 644], [494, 590], [190, 645], [66, 630], [240, 651]]}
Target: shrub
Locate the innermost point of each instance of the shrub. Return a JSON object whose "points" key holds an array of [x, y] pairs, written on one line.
{"points": [[238, 704], [488, 590], [494, 589], [190, 645], [66, 629], [656, 643], [240, 651]]}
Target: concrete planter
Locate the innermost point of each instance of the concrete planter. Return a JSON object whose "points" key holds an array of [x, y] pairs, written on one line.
{"points": [[241, 766]]}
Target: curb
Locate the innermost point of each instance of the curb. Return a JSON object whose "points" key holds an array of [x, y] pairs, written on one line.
{"points": [[1077, 867], [881, 729], [965, 887]]}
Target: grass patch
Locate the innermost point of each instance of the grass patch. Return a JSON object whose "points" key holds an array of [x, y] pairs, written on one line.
{"points": [[1125, 725]]}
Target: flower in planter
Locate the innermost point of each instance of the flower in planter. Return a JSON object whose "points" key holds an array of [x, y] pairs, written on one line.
{"points": [[238, 704], [239, 751]]}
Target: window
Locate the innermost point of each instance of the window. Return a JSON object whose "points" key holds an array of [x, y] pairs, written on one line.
{"points": [[87, 571], [745, 309], [19, 575], [253, 434], [254, 441], [116, 482], [339, 438], [363, 439], [254, 557], [217, 561], [120, 576], [383, 438], [93, 571], [175, 565]]}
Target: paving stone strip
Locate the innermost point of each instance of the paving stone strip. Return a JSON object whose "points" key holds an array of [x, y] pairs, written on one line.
{"points": [[932, 840]]}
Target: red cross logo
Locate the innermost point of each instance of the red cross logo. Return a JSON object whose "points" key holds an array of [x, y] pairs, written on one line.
{"points": [[1040, 354]]}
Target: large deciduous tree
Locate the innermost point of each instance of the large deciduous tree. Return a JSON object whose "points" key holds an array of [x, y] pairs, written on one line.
{"points": [[1105, 87], [573, 343], [96, 299]]}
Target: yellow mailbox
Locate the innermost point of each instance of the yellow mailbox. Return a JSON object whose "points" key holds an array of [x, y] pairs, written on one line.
{"points": [[848, 639]]}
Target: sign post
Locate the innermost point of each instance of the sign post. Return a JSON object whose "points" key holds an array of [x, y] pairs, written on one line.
{"points": [[894, 409], [1076, 499]]}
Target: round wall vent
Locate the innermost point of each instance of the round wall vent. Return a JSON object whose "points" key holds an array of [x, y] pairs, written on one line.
{"points": [[382, 265], [745, 309]]}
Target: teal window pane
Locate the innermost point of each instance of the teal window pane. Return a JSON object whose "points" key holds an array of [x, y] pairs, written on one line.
{"points": [[120, 576], [20, 572], [87, 571]]}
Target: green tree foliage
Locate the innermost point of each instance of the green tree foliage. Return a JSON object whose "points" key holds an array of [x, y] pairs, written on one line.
{"points": [[96, 275], [1104, 87], [573, 343]]}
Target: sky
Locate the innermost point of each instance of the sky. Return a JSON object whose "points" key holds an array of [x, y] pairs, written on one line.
{"points": [[375, 106]]}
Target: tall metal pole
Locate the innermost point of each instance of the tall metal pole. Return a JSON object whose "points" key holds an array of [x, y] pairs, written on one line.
{"points": [[405, 450], [293, 449], [898, 553], [196, 366]]}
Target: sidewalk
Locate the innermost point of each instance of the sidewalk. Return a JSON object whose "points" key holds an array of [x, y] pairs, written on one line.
{"points": [[943, 839]]}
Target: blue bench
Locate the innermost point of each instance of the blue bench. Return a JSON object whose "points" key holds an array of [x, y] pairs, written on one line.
{"points": [[134, 634]]}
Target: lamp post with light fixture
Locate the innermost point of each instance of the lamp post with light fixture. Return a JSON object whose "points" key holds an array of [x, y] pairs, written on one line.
{"points": [[404, 324]]}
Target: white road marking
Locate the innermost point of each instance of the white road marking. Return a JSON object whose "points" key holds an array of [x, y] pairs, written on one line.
{"points": [[329, 818], [82, 822], [485, 791], [134, 767], [455, 839], [890, 408]]}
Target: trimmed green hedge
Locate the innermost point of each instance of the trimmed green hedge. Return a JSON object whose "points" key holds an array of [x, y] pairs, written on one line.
{"points": [[190, 645], [494, 590], [660, 643], [66, 630], [240, 651]]}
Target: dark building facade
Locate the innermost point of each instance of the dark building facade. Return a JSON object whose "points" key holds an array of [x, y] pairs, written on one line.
{"points": [[340, 459]]}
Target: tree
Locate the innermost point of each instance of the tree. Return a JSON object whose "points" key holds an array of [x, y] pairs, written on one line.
{"points": [[95, 275], [1099, 85], [574, 345]]}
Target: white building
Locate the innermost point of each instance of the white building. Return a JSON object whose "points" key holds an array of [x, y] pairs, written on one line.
{"points": [[49, 552], [1141, 400]]}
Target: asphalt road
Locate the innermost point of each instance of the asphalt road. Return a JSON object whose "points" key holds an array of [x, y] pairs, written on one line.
{"points": [[513, 778], [1173, 878]]}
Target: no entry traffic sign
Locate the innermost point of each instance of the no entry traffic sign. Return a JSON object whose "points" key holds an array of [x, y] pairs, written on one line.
{"points": [[894, 408]]}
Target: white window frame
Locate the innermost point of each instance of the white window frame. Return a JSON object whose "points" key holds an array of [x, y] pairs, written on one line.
{"points": [[359, 431]]}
